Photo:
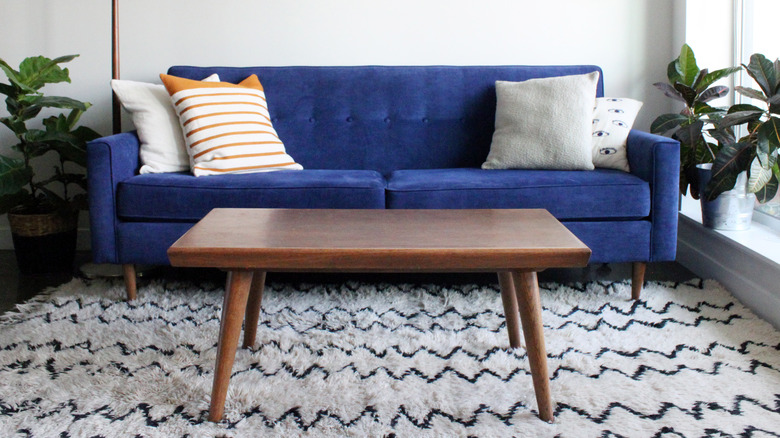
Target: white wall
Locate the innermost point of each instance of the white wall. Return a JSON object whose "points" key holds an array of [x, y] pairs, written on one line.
{"points": [[632, 41]]}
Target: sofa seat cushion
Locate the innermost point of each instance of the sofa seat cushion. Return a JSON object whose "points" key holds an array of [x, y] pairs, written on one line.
{"points": [[183, 197], [567, 194]]}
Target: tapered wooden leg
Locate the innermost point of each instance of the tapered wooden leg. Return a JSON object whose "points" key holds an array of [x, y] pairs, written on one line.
{"points": [[637, 279], [253, 309], [530, 306], [130, 281], [509, 298], [233, 309]]}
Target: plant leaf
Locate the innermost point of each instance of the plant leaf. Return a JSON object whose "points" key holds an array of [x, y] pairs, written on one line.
{"points": [[713, 93], [751, 93], [14, 175], [37, 71], [669, 91], [699, 77], [690, 133], [759, 175], [673, 72], [768, 191], [665, 123], [768, 136], [730, 162], [715, 76], [688, 93], [739, 117], [687, 65], [723, 136], [59, 102], [762, 71]]}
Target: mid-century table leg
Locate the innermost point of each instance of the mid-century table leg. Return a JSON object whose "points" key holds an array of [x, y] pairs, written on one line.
{"points": [[509, 298], [527, 289], [253, 308], [233, 309]]}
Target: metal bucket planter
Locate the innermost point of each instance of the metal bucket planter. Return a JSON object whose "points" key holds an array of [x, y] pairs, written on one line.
{"points": [[731, 210], [44, 243]]}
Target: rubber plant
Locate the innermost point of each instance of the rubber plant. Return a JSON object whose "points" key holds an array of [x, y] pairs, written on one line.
{"points": [[20, 190], [757, 151], [694, 88]]}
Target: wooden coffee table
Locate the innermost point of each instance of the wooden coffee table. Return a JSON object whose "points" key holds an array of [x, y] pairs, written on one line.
{"points": [[250, 242]]}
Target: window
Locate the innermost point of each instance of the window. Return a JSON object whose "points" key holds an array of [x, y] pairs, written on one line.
{"points": [[756, 32]]}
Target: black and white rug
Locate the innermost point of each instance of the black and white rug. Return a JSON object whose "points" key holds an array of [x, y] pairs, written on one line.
{"points": [[688, 360]]}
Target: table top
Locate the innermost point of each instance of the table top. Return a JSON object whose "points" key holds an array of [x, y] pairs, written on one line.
{"points": [[379, 241]]}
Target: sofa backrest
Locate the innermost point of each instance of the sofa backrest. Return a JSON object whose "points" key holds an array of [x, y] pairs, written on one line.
{"points": [[384, 118]]}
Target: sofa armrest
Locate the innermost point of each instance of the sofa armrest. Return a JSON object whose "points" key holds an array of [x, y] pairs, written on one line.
{"points": [[656, 159], [110, 160]]}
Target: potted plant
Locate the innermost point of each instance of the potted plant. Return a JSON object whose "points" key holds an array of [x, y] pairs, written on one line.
{"points": [[42, 211], [694, 88], [756, 153]]}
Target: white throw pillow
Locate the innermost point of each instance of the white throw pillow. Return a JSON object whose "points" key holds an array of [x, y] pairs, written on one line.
{"points": [[612, 121], [162, 142], [544, 124]]}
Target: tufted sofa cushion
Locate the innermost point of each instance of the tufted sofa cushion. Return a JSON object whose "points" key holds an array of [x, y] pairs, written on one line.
{"points": [[567, 194]]}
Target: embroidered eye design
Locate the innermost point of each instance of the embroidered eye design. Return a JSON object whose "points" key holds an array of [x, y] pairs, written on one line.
{"points": [[619, 123], [616, 110], [595, 121], [607, 151], [600, 133], [612, 99]]}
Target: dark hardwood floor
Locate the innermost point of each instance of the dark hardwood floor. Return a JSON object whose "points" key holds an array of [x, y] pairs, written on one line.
{"points": [[17, 288]]}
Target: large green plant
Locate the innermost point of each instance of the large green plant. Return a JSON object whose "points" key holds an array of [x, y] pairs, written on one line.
{"points": [[693, 87], [59, 133], [757, 151]]}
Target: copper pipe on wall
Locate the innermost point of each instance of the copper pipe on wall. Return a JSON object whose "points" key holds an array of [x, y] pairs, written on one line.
{"points": [[117, 115]]}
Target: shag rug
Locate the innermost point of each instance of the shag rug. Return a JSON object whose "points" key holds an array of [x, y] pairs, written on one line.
{"points": [[358, 359]]}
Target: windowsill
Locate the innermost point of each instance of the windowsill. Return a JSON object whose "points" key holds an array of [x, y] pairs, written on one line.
{"points": [[759, 238]]}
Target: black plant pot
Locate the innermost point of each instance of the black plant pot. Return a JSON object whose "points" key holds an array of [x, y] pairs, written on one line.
{"points": [[44, 243]]}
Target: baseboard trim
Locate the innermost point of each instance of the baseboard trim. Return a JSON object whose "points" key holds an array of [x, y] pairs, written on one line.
{"points": [[751, 277]]}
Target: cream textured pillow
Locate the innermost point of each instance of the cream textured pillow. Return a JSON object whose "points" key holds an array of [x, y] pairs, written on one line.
{"points": [[612, 121], [162, 144], [544, 124], [227, 127]]}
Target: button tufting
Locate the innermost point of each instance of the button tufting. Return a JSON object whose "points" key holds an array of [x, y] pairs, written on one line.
{"points": [[387, 119], [349, 119], [425, 120], [311, 119]]}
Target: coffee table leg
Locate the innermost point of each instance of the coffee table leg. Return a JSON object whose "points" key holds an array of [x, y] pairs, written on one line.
{"points": [[509, 299], [253, 308], [233, 309], [527, 289]]}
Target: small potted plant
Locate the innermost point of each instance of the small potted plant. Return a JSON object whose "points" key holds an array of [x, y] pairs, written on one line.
{"points": [[42, 211], [747, 165], [757, 152], [694, 126]]}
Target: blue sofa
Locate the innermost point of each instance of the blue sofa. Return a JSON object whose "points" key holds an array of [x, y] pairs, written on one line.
{"points": [[387, 137]]}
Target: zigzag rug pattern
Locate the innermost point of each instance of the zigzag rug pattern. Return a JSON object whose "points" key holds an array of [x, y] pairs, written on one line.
{"points": [[357, 359]]}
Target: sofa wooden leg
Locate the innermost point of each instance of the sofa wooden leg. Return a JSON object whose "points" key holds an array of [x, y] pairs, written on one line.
{"points": [[637, 279], [130, 285]]}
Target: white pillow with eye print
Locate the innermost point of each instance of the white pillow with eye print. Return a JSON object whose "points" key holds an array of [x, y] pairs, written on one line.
{"points": [[612, 120]]}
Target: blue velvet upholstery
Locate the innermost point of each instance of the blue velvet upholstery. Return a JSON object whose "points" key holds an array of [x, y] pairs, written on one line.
{"points": [[387, 137], [182, 197], [383, 118], [572, 195]]}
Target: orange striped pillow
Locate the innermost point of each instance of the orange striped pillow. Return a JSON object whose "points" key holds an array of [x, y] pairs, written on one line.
{"points": [[227, 127]]}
